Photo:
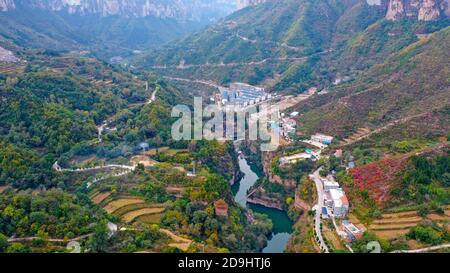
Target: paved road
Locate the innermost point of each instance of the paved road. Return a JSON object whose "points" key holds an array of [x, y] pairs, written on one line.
{"points": [[183, 66], [101, 128], [57, 168], [29, 239], [209, 83], [318, 209]]}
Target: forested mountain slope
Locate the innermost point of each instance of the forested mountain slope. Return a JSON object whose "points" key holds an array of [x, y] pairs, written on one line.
{"points": [[410, 82], [52, 105], [292, 45]]}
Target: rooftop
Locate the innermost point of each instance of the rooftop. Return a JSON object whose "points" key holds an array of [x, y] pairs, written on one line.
{"points": [[221, 204]]}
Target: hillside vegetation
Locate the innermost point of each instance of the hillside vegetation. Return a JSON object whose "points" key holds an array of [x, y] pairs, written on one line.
{"points": [[410, 82]]}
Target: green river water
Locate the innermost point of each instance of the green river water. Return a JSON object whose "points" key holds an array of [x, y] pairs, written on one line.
{"points": [[282, 225]]}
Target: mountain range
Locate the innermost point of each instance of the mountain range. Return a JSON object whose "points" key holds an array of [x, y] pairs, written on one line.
{"points": [[86, 144], [177, 9], [107, 28], [308, 42]]}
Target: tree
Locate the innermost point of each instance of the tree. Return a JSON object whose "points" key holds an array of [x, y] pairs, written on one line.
{"points": [[18, 248], [3, 242], [99, 240], [426, 234], [363, 245]]}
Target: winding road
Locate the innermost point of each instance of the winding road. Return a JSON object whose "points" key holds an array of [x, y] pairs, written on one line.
{"points": [[30, 239], [183, 66], [318, 209], [101, 128], [209, 83], [57, 168]]}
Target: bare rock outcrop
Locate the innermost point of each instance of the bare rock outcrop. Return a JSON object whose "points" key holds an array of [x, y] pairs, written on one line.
{"points": [[6, 5], [423, 10], [245, 3], [177, 9]]}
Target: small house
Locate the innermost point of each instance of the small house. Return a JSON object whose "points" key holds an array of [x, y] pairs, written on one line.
{"points": [[221, 208], [352, 233]]}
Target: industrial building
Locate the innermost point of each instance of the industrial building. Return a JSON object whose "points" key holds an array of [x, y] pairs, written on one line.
{"points": [[243, 95]]}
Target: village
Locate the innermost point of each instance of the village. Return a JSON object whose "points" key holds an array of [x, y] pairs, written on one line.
{"points": [[333, 204]]}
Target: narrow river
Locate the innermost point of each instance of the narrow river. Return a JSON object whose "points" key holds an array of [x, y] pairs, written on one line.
{"points": [[282, 225]]}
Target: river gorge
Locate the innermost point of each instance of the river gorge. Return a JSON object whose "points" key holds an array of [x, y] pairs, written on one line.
{"points": [[282, 225]]}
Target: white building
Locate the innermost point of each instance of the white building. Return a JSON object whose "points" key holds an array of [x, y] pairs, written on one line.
{"points": [[295, 158], [330, 184], [316, 144], [321, 138], [338, 203], [289, 126]]}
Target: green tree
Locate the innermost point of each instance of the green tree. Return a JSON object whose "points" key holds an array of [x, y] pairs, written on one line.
{"points": [[18, 248], [99, 240], [3, 242]]}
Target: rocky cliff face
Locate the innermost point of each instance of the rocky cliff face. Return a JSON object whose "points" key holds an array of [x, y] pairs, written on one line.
{"points": [[6, 5], [245, 3], [178, 9], [423, 10]]}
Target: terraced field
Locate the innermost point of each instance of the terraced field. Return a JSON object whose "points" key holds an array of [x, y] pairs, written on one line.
{"points": [[356, 136], [166, 150], [114, 205], [100, 197], [393, 225], [150, 218], [132, 209], [132, 215]]}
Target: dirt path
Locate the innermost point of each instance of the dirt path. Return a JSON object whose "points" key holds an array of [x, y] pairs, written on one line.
{"points": [[178, 242], [385, 127], [427, 249]]}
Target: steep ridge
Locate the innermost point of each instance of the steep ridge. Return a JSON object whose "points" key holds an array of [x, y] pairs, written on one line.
{"points": [[338, 39], [424, 10], [264, 40]]}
